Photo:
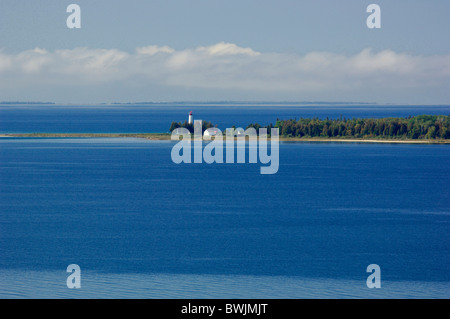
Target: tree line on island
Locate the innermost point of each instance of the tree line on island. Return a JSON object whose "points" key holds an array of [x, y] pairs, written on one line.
{"points": [[411, 127]]}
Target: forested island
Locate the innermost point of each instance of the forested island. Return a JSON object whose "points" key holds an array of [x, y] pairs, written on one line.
{"points": [[412, 129], [416, 127], [422, 127]]}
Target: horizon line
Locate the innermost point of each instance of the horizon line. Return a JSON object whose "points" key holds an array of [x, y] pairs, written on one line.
{"points": [[232, 102]]}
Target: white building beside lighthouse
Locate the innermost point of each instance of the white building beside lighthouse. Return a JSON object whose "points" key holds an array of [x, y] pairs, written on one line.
{"points": [[190, 121]]}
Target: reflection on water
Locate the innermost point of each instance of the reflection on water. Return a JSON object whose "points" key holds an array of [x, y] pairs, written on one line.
{"points": [[47, 284]]}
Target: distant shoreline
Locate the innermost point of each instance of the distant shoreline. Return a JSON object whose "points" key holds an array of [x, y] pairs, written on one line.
{"points": [[167, 137], [150, 136]]}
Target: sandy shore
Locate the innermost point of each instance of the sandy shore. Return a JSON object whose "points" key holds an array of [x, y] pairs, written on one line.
{"points": [[167, 136]]}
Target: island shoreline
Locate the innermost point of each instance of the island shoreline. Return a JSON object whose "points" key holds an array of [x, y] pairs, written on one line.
{"points": [[167, 137]]}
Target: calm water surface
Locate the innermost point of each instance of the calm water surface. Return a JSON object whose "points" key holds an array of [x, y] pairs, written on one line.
{"points": [[135, 118], [141, 226]]}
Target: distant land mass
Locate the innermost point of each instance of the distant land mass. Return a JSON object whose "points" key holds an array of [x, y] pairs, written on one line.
{"points": [[199, 103], [252, 102], [206, 103], [25, 102]]}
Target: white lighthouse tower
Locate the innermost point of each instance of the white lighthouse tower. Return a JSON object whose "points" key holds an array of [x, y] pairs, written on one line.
{"points": [[190, 121]]}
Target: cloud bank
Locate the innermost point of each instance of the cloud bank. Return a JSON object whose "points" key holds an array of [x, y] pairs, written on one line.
{"points": [[224, 66]]}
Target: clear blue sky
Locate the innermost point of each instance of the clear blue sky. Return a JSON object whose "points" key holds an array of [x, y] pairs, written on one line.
{"points": [[281, 32]]}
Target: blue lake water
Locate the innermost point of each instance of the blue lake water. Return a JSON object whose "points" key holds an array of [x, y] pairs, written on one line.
{"points": [[136, 118], [140, 226]]}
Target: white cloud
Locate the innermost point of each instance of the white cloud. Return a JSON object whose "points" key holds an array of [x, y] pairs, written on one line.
{"points": [[224, 66], [33, 61], [223, 48], [154, 49], [5, 62]]}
